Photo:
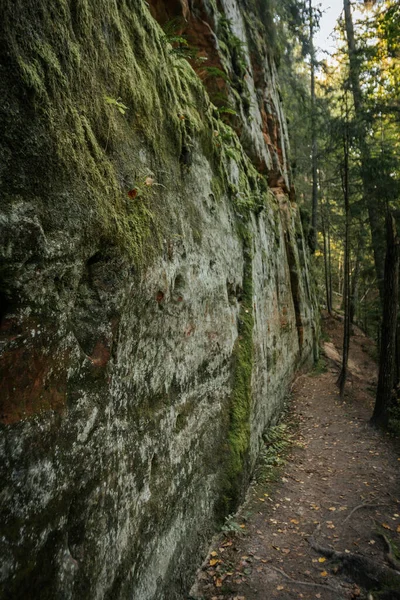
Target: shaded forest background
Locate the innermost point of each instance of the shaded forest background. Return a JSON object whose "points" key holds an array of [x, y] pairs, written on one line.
{"points": [[344, 124]]}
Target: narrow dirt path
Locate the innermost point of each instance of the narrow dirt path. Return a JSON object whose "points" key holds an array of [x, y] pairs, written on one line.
{"points": [[339, 489]]}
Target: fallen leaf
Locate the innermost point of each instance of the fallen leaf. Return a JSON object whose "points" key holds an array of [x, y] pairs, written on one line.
{"points": [[324, 573], [295, 521], [213, 553], [332, 508], [280, 587], [322, 559], [242, 526], [214, 561], [218, 582], [386, 526], [398, 529], [133, 193]]}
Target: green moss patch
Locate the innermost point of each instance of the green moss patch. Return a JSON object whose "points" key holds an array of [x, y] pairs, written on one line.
{"points": [[67, 60], [241, 401]]}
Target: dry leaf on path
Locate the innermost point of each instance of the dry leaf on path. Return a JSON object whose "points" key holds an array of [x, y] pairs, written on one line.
{"points": [[214, 561]]}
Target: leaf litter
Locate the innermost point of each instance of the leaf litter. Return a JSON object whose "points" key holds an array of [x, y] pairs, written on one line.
{"points": [[321, 494]]}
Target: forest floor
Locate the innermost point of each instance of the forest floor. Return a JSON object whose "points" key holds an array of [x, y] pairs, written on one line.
{"points": [[337, 489]]}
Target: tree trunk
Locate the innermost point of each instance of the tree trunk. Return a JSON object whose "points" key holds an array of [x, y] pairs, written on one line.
{"points": [[314, 217], [341, 382], [330, 266], [384, 392], [326, 266], [374, 214], [355, 280], [397, 362]]}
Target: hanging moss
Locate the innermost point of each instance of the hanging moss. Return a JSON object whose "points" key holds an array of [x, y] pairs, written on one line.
{"points": [[65, 58], [234, 60]]}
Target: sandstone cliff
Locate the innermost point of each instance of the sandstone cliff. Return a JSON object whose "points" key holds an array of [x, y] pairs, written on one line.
{"points": [[155, 291]]}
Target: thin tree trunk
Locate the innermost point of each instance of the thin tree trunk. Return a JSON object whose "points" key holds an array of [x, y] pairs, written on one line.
{"points": [[397, 362], [374, 214], [384, 391], [314, 217], [340, 287], [355, 280], [341, 382], [330, 263], [365, 309], [326, 266]]}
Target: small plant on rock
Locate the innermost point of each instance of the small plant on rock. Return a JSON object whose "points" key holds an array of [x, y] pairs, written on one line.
{"points": [[231, 527]]}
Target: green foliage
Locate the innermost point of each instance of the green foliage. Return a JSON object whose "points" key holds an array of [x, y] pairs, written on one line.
{"points": [[226, 110], [215, 72], [277, 442], [394, 419], [117, 103], [320, 367], [231, 527], [240, 408]]}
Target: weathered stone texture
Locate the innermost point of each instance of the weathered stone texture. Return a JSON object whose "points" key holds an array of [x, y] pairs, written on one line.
{"points": [[148, 337]]}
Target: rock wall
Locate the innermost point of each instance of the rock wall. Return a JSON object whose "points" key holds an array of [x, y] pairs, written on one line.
{"points": [[155, 293]]}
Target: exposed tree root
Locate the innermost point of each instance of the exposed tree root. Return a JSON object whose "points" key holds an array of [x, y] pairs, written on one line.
{"points": [[306, 583], [390, 557], [358, 508], [364, 571]]}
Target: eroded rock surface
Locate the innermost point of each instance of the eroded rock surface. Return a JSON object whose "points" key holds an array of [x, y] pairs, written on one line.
{"points": [[155, 291]]}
